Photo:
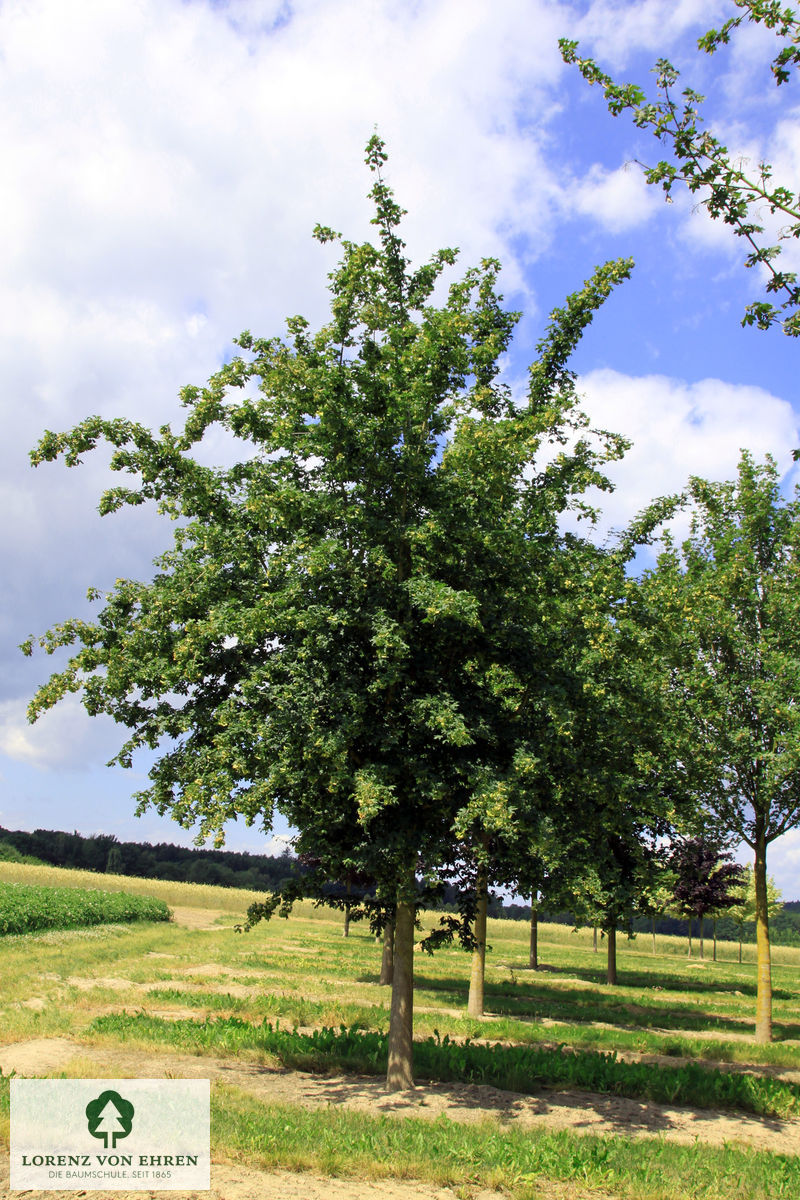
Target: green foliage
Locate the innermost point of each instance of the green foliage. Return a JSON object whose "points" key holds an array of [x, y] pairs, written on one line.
{"points": [[743, 911], [10, 853], [516, 1068], [726, 189], [376, 583], [731, 606], [25, 908]]}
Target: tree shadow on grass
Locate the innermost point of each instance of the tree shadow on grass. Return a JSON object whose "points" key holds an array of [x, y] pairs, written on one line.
{"points": [[649, 980], [583, 1112], [531, 1001]]}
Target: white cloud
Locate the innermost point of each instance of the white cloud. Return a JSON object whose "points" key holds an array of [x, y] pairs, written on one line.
{"points": [[64, 738], [277, 845], [616, 28], [164, 164], [616, 200], [680, 429], [783, 863]]}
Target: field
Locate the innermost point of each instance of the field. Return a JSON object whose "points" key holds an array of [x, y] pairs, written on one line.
{"points": [[567, 1088], [26, 908]]}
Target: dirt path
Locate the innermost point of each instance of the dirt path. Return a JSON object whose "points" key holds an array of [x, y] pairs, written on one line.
{"points": [[238, 1182], [232, 1182], [581, 1112]]}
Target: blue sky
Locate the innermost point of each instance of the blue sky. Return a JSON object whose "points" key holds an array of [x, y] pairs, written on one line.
{"points": [[164, 164]]}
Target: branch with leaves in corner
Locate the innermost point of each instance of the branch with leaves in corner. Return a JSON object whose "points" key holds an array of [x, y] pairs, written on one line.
{"points": [[728, 190]]}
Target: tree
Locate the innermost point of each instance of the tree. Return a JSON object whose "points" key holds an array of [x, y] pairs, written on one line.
{"points": [[603, 791], [658, 897], [620, 774], [706, 880], [743, 910], [348, 625], [729, 190], [730, 602], [114, 863]]}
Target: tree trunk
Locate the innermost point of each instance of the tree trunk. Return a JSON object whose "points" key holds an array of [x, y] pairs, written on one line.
{"points": [[399, 1075], [533, 957], [594, 939], [611, 973], [346, 930], [715, 939], [702, 923], [763, 957], [387, 957], [478, 972], [654, 935]]}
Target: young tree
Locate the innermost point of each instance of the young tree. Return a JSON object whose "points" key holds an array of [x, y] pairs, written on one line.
{"points": [[658, 897], [706, 880], [610, 881], [728, 189], [730, 601], [348, 625], [743, 910], [621, 773]]}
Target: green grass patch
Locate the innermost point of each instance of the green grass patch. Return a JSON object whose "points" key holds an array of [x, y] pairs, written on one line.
{"points": [[337, 1142], [526, 1030], [514, 1068], [296, 1010], [26, 908], [334, 1141]]}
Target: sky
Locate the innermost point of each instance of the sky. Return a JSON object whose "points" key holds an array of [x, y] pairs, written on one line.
{"points": [[164, 164]]}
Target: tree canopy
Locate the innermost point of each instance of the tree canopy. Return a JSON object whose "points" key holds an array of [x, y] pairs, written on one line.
{"points": [[706, 879], [730, 597], [357, 623]]}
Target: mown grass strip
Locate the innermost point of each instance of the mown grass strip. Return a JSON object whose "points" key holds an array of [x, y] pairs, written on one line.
{"points": [[515, 1068], [25, 908], [448, 1153], [301, 1011], [334, 1141]]}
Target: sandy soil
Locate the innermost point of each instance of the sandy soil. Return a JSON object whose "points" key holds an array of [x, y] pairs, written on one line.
{"points": [[230, 1182], [204, 918], [581, 1112], [578, 1111]]}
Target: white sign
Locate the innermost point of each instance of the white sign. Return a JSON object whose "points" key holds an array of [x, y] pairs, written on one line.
{"points": [[110, 1134]]}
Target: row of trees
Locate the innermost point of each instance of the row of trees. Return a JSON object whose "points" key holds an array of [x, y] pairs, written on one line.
{"points": [[375, 624], [162, 860]]}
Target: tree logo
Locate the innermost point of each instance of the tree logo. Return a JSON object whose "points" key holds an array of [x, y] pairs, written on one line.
{"points": [[109, 1117]]}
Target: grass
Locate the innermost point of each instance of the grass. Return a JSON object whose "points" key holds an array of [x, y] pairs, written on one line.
{"points": [[359, 1145], [304, 973], [524, 1069], [186, 895], [448, 1153]]}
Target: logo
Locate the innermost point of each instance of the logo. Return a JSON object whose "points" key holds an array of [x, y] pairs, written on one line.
{"points": [[110, 1135], [110, 1118]]}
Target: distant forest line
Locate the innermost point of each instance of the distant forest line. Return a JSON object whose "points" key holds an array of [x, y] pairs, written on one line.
{"points": [[104, 854]]}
